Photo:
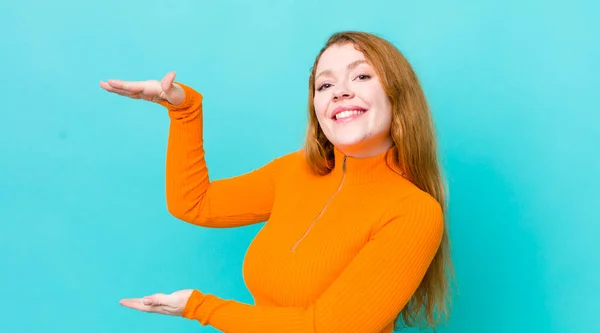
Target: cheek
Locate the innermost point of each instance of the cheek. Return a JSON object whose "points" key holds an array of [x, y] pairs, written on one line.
{"points": [[384, 105], [384, 110], [320, 106]]}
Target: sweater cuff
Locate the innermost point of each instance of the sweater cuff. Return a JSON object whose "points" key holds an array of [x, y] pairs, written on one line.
{"points": [[191, 103], [200, 307]]}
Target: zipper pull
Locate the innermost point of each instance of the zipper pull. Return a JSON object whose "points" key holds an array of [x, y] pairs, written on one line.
{"points": [[344, 164]]}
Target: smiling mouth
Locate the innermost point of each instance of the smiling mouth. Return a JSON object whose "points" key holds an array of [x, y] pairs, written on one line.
{"points": [[348, 115]]}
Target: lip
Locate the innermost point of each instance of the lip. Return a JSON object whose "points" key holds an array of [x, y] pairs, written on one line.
{"points": [[346, 108]]}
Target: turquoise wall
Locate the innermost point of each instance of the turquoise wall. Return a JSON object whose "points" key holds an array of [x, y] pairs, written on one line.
{"points": [[514, 90]]}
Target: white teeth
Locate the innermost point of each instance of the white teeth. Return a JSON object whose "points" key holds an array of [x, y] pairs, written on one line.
{"points": [[346, 114]]}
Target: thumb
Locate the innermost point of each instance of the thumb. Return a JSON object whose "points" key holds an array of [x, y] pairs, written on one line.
{"points": [[154, 300], [173, 93], [166, 83]]}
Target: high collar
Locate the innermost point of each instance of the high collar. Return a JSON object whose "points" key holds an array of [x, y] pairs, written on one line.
{"points": [[369, 169]]}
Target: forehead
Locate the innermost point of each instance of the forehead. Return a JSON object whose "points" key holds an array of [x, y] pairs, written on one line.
{"points": [[338, 57]]}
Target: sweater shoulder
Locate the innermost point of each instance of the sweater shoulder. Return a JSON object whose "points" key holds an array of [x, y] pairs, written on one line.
{"points": [[404, 196], [292, 158], [293, 162]]}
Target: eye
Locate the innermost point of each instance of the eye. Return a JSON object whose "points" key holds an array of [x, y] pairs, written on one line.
{"points": [[324, 86], [363, 77]]}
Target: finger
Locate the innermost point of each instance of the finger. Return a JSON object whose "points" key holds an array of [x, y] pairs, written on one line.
{"points": [[167, 82], [121, 92], [115, 90], [150, 300], [155, 300], [137, 304], [110, 88], [134, 87]]}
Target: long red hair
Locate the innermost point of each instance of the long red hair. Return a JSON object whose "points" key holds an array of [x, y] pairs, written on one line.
{"points": [[413, 136]]}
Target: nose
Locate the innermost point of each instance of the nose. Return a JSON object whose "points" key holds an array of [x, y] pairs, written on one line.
{"points": [[342, 92]]}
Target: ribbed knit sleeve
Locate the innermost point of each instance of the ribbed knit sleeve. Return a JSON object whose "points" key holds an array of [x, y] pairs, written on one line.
{"points": [[191, 196], [366, 296]]}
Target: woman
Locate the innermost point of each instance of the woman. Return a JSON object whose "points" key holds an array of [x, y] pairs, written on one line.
{"points": [[355, 234]]}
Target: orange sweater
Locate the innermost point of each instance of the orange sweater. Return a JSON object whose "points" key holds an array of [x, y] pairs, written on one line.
{"points": [[339, 253]]}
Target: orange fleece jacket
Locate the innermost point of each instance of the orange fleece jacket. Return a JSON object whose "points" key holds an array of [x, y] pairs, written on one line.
{"points": [[342, 252]]}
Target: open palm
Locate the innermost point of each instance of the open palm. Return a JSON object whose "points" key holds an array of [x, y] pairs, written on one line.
{"points": [[149, 90], [168, 304]]}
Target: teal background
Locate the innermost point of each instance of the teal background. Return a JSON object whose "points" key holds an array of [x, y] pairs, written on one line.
{"points": [[513, 86]]}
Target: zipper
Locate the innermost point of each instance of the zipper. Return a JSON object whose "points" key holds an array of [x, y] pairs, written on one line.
{"points": [[324, 207]]}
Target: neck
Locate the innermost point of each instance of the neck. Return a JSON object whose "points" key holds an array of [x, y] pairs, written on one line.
{"points": [[366, 150], [366, 169]]}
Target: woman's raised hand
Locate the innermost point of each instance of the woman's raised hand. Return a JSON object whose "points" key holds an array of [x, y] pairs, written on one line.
{"points": [[150, 90]]}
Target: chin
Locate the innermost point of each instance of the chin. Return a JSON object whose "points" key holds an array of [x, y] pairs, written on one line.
{"points": [[347, 142]]}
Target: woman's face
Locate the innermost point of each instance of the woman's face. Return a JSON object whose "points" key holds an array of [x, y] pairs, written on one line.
{"points": [[350, 103]]}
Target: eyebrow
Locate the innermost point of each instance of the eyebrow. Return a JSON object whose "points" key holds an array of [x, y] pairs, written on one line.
{"points": [[352, 65]]}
